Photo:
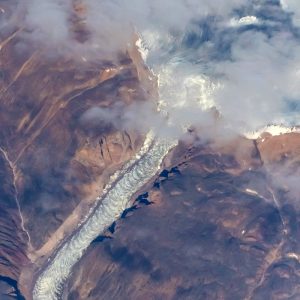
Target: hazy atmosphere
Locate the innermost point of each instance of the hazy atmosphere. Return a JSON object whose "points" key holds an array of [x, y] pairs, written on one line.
{"points": [[241, 57], [149, 149]]}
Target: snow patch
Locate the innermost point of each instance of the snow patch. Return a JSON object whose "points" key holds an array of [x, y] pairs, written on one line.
{"points": [[142, 49], [244, 21]]}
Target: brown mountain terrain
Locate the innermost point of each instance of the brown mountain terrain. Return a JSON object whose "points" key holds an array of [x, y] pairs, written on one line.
{"points": [[213, 226], [216, 224], [55, 161], [219, 222]]}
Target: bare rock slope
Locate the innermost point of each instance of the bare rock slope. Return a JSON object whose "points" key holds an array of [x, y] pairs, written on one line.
{"points": [[54, 160], [213, 226]]}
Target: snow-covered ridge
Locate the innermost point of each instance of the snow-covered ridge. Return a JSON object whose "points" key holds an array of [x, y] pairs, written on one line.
{"points": [[274, 130]]}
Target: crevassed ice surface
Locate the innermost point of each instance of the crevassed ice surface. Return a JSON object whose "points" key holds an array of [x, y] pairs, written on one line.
{"points": [[50, 283]]}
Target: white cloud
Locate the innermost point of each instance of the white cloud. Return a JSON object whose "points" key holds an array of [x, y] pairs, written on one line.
{"points": [[248, 73], [259, 80], [292, 6], [48, 20]]}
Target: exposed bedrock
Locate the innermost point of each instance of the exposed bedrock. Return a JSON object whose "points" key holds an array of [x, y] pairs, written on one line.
{"points": [[57, 160], [209, 228]]}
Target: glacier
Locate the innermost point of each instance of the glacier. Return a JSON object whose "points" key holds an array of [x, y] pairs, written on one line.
{"points": [[114, 201]]}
